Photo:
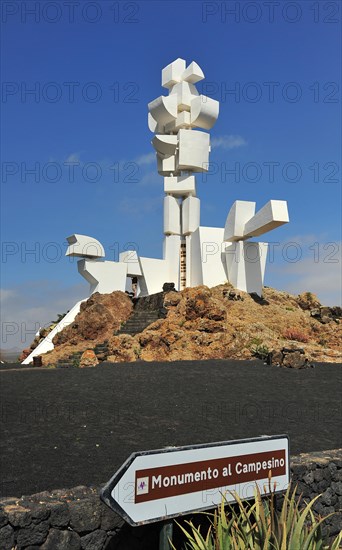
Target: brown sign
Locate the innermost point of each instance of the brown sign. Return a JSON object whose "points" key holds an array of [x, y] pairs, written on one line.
{"points": [[180, 479], [166, 483]]}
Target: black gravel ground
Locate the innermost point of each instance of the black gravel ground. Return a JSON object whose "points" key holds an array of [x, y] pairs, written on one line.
{"points": [[67, 427]]}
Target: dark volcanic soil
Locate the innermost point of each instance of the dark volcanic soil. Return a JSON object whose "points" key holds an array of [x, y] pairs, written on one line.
{"points": [[67, 427]]}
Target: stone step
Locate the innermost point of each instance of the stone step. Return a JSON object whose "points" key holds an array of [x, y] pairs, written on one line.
{"points": [[139, 315], [135, 327], [132, 330], [143, 318], [138, 321]]}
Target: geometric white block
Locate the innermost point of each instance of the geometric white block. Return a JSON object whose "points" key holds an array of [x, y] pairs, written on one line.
{"points": [[172, 73], [238, 216], [130, 257], [193, 151], [180, 186], [154, 275], [193, 73], [166, 165], [104, 277], [82, 246], [164, 144], [246, 262], [172, 225], [185, 93], [182, 121], [272, 215], [204, 112], [163, 109], [204, 263], [191, 207], [154, 126]]}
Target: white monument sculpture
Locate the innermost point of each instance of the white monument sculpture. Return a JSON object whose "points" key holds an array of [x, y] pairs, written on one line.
{"points": [[192, 255]]}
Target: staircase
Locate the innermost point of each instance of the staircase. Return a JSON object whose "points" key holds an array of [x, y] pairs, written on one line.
{"points": [[146, 310], [138, 321], [101, 351]]}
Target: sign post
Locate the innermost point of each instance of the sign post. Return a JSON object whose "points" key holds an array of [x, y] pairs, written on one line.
{"points": [[165, 536], [162, 484]]}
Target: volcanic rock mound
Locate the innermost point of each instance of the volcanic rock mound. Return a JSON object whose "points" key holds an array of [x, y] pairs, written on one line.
{"points": [[202, 323]]}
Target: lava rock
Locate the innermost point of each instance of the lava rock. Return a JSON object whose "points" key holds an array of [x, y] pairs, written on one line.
{"points": [[232, 295], [7, 537], [38, 513], [94, 541], [3, 518], [18, 516], [85, 515], [99, 315], [337, 487], [275, 358], [169, 287], [109, 519], [294, 360], [62, 540], [33, 534], [328, 498], [88, 359], [59, 514]]}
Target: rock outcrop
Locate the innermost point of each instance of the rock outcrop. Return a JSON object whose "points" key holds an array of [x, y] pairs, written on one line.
{"points": [[99, 317], [203, 323], [293, 358]]}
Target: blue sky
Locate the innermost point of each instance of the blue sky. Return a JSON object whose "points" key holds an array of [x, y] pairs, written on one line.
{"points": [[93, 67]]}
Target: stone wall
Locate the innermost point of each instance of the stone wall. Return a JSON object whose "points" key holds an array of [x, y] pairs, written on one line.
{"points": [[75, 519], [321, 473]]}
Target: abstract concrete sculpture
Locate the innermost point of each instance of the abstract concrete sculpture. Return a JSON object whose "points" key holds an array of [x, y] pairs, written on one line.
{"points": [[192, 255]]}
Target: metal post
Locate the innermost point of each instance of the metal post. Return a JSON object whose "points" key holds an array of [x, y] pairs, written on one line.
{"points": [[165, 537]]}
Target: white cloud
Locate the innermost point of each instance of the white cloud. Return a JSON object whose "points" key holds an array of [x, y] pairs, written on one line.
{"points": [[152, 178], [228, 142], [307, 240], [74, 157], [320, 273], [147, 159], [6, 294]]}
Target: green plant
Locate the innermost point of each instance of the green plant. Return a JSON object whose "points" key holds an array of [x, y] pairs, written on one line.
{"points": [[76, 361], [256, 342], [60, 316], [260, 351], [259, 526]]}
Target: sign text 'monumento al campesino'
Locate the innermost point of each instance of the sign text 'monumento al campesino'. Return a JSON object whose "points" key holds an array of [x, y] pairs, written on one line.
{"points": [[155, 485]]}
